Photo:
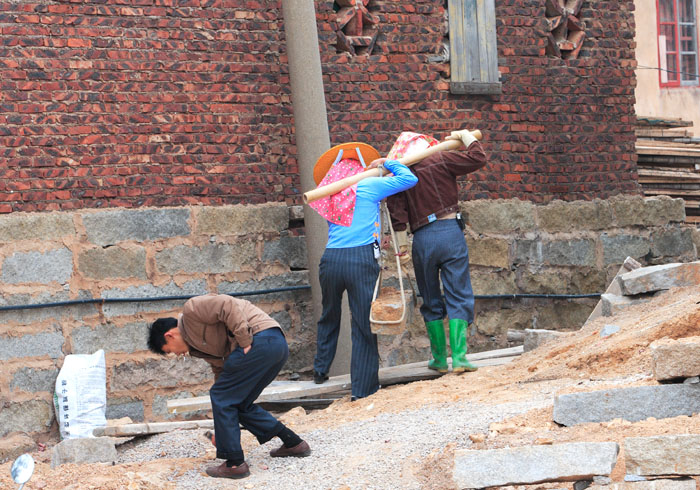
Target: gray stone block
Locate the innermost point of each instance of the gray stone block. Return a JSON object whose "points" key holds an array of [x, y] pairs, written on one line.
{"points": [[660, 277], [290, 251], [34, 380], [499, 216], [528, 251], [190, 288], [675, 358], [617, 248], [665, 484], [35, 226], [674, 243], [27, 416], [118, 408], [42, 267], [35, 345], [213, 258], [242, 220], [612, 304], [83, 451], [533, 464], [160, 373], [656, 211], [662, 455], [561, 216], [569, 252], [104, 263], [537, 337], [632, 404], [129, 338], [110, 227]]}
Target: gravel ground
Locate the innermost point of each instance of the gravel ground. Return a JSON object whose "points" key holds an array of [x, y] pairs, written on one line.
{"points": [[381, 453]]}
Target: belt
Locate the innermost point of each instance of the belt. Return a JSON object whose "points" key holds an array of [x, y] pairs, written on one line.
{"points": [[449, 216]]}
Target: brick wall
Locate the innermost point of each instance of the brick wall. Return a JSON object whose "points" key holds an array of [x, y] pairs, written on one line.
{"points": [[167, 103]]}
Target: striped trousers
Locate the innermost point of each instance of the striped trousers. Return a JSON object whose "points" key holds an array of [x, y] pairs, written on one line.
{"points": [[354, 270]]}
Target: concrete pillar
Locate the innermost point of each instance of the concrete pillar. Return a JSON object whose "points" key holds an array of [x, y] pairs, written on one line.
{"points": [[312, 139]]}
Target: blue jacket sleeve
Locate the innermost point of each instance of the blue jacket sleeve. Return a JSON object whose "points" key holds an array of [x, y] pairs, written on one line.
{"points": [[378, 188]]}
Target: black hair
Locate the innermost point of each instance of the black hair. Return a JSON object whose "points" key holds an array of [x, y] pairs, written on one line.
{"points": [[156, 333]]}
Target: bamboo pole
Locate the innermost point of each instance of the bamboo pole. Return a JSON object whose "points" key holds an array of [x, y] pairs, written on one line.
{"points": [[335, 187]]}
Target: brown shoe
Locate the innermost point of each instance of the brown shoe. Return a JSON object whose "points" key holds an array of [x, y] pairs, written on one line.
{"points": [[301, 450], [223, 471]]}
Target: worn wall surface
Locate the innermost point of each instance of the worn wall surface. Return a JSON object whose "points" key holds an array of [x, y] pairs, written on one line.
{"points": [[651, 98], [172, 103], [516, 247]]}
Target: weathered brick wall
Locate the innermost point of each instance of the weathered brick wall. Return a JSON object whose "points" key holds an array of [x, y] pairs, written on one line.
{"points": [[516, 247], [164, 103]]}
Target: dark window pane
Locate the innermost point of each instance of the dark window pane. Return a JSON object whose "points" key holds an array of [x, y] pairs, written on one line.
{"points": [[685, 11], [689, 67], [666, 11], [672, 68]]}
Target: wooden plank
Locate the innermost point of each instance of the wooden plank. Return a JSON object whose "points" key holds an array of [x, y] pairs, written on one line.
{"points": [[281, 390], [662, 133], [130, 430], [663, 122]]}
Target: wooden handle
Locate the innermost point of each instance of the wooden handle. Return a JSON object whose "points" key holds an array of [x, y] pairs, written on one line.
{"points": [[335, 187]]}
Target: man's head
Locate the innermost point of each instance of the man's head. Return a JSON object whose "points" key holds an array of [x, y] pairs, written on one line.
{"points": [[164, 337]]}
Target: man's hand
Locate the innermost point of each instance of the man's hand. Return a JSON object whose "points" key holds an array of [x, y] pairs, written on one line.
{"points": [[464, 135], [247, 349]]}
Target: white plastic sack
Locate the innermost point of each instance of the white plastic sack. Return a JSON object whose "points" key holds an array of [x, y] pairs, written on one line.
{"points": [[80, 397]]}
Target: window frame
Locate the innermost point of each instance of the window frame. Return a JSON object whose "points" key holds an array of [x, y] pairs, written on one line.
{"points": [[677, 53], [473, 47]]}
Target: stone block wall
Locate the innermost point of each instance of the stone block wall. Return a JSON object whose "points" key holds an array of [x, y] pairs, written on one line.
{"points": [[516, 247], [562, 248], [135, 254]]}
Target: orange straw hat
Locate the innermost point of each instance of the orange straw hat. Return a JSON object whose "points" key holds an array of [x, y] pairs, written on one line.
{"points": [[367, 154]]}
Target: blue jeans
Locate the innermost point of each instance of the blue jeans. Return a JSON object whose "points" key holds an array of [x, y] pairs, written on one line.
{"points": [[240, 383], [440, 253]]}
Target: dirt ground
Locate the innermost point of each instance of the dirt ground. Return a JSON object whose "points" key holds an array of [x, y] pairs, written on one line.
{"points": [[578, 361]]}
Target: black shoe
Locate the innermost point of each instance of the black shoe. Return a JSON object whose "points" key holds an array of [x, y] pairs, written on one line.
{"points": [[320, 378]]}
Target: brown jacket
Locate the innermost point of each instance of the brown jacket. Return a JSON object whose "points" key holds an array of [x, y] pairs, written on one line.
{"points": [[435, 194], [215, 324]]}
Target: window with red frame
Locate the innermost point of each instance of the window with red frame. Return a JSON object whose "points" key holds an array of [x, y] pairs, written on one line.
{"points": [[678, 43]]}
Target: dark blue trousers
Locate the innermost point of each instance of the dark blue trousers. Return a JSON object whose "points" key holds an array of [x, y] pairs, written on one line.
{"points": [[244, 377], [440, 253], [354, 270]]}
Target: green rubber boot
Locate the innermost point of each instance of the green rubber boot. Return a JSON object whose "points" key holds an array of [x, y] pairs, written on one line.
{"points": [[436, 334], [458, 344]]}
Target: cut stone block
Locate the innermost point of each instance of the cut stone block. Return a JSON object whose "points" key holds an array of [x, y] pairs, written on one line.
{"points": [[675, 358], [659, 277], [535, 337], [609, 330], [663, 455], [533, 464], [84, 450], [612, 304], [665, 484], [632, 404], [614, 287]]}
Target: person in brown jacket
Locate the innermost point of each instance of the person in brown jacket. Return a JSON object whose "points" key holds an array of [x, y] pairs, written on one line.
{"points": [[440, 253], [246, 350]]}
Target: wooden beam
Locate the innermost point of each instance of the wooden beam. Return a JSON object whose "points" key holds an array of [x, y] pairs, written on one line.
{"points": [[283, 390], [130, 430]]}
